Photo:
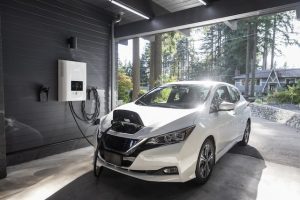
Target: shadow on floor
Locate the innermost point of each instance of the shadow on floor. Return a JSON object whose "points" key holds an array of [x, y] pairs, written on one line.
{"points": [[247, 151], [234, 177]]}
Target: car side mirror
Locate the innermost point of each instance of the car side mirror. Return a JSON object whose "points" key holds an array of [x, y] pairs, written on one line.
{"points": [[226, 106], [251, 99]]}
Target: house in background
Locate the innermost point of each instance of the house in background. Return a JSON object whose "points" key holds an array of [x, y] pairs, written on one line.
{"points": [[269, 80]]}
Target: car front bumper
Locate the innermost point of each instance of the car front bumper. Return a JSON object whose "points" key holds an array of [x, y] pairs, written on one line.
{"points": [[179, 155]]}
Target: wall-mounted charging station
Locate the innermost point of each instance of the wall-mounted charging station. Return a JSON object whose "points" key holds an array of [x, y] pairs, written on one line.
{"points": [[71, 81]]}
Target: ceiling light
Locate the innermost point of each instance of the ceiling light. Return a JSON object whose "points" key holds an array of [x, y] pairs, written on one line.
{"points": [[129, 9], [203, 2]]}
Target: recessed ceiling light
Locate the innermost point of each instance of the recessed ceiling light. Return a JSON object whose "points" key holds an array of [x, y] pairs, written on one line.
{"points": [[203, 2], [129, 9]]}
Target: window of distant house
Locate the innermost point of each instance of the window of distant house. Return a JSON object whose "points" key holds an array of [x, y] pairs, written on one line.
{"points": [[249, 82], [290, 81], [257, 82]]}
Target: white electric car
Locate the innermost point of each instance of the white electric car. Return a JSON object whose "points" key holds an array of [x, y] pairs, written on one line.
{"points": [[174, 133]]}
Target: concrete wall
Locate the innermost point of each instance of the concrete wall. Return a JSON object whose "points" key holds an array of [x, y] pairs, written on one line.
{"points": [[271, 113]]}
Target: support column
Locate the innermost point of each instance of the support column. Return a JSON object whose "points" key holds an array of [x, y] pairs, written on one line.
{"points": [[152, 66], [112, 86], [155, 61], [136, 68], [2, 133], [158, 60]]}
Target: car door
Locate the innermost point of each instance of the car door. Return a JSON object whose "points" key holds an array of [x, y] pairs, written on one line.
{"points": [[223, 120], [239, 110]]}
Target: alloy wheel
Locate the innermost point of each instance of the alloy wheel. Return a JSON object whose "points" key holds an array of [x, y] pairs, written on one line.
{"points": [[206, 161], [247, 133]]}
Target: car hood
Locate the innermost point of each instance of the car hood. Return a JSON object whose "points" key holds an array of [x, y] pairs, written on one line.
{"points": [[157, 120]]}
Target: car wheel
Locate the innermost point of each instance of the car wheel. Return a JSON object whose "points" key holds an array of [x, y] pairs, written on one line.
{"points": [[206, 162], [246, 136], [97, 169]]}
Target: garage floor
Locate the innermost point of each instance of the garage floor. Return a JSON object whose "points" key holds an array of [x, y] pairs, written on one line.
{"points": [[269, 168]]}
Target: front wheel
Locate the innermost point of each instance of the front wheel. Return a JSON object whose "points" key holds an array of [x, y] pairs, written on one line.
{"points": [[206, 162], [246, 136]]}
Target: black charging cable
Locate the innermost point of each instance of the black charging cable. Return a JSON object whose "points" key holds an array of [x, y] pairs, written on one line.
{"points": [[74, 117], [90, 118]]}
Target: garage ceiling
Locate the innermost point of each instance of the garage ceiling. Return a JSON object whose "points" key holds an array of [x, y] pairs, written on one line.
{"points": [[151, 8], [170, 15], [177, 5], [114, 10]]}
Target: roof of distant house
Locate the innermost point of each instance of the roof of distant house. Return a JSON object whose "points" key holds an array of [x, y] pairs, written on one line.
{"points": [[281, 73]]}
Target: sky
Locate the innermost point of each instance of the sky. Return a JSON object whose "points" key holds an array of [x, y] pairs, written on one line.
{"points": [[125, 52], [290, 54]]}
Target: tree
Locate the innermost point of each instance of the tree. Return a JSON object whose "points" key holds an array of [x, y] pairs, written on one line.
{"points": [[124, 86], [145, 66], [253, 59], [275, 31], [248, 59], [169, 53], [125, 68], [217, 51]]}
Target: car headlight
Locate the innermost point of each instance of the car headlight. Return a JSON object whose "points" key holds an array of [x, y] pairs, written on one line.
{"points": [[171, 138]]}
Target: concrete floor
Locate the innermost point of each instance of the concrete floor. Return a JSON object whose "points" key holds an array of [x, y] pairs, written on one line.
{"points": [[269, 168]]}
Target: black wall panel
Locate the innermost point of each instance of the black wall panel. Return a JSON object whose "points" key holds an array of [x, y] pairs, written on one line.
{"points": [[34, 36], [2, 133]]}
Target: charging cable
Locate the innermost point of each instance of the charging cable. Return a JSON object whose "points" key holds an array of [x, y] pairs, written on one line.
{"points": [[90, 118]]}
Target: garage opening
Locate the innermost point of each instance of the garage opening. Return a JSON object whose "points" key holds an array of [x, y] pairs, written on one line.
{"points": [[257, 55]]}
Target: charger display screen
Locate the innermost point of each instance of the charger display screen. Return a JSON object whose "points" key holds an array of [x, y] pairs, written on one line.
{"points": [[76, 85]]}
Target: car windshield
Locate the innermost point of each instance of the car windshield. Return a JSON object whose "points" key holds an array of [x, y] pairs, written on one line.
{"points": [[176, 96]]}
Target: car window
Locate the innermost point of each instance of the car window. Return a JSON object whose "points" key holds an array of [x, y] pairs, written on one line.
{"points": [[176, 96], [220, 95], [234, 94], [237, 93], [161, 96]]}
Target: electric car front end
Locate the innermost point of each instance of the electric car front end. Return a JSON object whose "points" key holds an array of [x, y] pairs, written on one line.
{"points": [[174, 133]]}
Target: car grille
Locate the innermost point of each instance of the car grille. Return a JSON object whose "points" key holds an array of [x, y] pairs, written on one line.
{"points": [[112, 149], [117, 144]]}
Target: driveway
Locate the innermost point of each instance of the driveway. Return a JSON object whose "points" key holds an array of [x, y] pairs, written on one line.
{"points": [[268, 168], [272, 142]]}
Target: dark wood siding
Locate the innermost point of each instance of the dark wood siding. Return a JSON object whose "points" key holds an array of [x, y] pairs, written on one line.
{"points": [[34, 38], [2, 133]]}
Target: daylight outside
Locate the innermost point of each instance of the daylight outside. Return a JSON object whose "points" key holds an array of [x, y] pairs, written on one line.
{"points": [[258, 55]]}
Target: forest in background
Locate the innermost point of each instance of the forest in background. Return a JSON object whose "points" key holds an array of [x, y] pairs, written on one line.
{"points": [[218, 51]]}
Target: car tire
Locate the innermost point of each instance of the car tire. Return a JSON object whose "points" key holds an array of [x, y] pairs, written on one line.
{"points": [[206, 162], [246, 136]]}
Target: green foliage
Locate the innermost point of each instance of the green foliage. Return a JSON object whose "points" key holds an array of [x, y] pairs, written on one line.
{"points": [[165, 79], [258, 101], [125, 68], [124, 86], [290, 95], [163, 96], [142, 92], [215, 51], [145, 65]]}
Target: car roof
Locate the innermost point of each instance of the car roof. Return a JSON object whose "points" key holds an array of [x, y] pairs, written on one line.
{"points": [[209, 83]]}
